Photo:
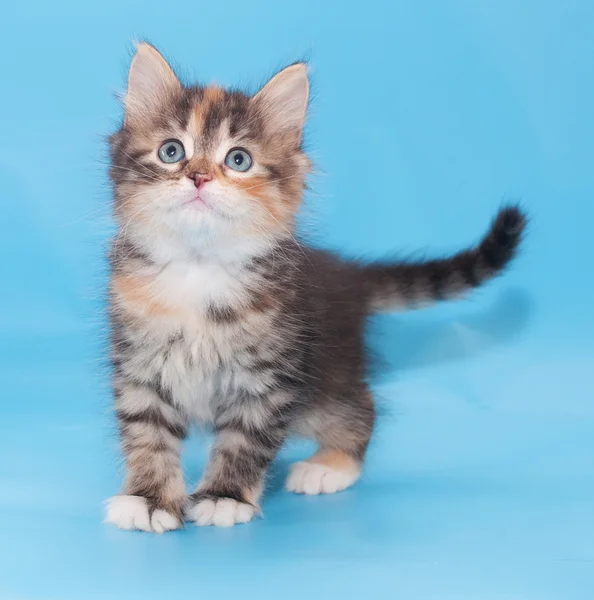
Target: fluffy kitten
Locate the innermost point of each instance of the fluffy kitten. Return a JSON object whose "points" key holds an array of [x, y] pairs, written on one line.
{"points": [[220, 316]]}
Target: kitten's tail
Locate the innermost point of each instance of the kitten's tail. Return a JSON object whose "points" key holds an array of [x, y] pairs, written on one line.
{"points": [[402, 285]]}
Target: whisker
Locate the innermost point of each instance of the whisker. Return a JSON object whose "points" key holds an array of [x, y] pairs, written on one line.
{"points": [[154, 176], [277, 180], [122, 234]]}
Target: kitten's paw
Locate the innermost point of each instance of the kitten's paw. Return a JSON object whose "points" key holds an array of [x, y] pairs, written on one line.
{"points": [[132, 512], [162, 520], [313, 478], [222, 512], [128, 512]]}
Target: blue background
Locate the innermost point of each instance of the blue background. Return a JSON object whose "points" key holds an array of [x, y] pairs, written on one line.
{"points": [[426, 116]]}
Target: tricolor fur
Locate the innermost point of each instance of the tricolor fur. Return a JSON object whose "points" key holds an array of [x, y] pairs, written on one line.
{"points": [[220, 316]]}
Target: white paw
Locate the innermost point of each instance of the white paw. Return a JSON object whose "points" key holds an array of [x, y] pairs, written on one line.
{"points": [[313, 478], [162, 521], [128, 512], [223, 512], [131, 512]]}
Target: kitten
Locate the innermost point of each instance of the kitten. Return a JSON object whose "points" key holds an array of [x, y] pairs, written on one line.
{"points": [[219, 316]]}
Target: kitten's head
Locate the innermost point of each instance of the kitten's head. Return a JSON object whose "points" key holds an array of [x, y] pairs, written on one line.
{"points": [[201, 164]]}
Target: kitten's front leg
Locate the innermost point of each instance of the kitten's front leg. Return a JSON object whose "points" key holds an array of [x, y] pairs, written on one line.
{"points": [[249, 433], [151, 432]]}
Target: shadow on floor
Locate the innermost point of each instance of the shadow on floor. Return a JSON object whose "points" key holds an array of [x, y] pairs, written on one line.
{"points": [[398, 343]]}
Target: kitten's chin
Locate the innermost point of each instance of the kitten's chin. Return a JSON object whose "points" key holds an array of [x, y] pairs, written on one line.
{"points": [[195, 217], [198, 220]]}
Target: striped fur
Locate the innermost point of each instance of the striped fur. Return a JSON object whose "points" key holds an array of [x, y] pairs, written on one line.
{"points": [[408, 284], [219, 316]]}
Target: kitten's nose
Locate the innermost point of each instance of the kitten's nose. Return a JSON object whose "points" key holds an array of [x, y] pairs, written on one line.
{"points": [[199, 179]]}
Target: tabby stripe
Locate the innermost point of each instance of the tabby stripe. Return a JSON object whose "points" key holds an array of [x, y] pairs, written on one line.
{"points": [[152, 416]]}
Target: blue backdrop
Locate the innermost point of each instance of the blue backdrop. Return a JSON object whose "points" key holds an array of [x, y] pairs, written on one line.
{"points": [[425, 117]]}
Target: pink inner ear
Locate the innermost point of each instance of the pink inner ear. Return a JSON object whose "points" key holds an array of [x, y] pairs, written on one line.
{"points": [[151, 83], [283, 100]]}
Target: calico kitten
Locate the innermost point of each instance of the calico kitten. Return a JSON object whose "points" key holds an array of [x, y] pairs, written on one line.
{"points": [[219, 316]]}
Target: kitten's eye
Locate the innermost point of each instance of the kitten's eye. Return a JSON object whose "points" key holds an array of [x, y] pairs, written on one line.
{"points": [[171, 151], [238, 160]]}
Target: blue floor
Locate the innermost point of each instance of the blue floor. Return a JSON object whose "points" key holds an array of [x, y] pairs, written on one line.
{"points": [[426, 115]]}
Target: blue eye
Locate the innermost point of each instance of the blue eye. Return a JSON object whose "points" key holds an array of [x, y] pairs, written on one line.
{"points": [[171, 151], [238, 160]]}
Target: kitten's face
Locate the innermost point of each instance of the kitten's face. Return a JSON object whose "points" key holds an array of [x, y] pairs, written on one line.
{"points": [[202, 164]]}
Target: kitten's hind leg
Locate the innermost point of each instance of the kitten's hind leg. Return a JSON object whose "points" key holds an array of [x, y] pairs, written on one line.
{"points": [[326, 472], [342, 425]]}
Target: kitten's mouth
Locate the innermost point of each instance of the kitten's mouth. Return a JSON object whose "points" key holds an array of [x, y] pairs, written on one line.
{"points": [[197, 201]]}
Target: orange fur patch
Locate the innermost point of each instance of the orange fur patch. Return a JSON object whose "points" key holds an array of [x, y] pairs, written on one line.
{"points": [[280, 211], [135, 294], [212, 95], [254, 186], [335, 459]]}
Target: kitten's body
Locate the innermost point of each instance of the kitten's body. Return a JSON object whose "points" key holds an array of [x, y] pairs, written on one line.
{"points": [[219, 316]]}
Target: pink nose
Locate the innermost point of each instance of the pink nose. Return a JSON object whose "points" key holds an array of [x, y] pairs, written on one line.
{"points": [[199, 179]]}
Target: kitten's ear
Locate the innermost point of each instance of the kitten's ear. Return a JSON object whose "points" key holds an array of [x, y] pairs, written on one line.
{"points": [[283, 101], [151, 82]]}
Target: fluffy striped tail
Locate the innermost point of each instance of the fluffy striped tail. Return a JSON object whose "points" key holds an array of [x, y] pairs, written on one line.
{"points": [[393, 286]]}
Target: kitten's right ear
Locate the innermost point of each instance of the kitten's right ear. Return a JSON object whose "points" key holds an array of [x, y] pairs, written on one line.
{"points": [[151, 83]]}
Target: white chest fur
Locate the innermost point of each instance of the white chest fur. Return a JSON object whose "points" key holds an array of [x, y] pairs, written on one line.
{"points": [[198, 360], [194, 286]]}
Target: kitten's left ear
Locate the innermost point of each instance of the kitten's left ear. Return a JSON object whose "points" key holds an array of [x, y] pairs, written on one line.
{"points": [[151, 83], [283, 101]]}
